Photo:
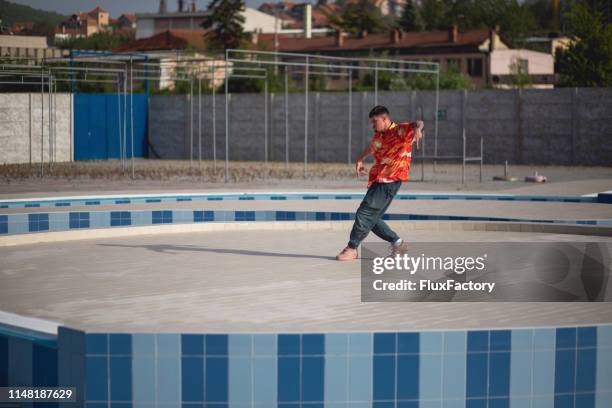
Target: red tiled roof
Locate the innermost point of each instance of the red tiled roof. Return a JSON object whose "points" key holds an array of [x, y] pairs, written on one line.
{"points": [[130, 17], [96, 11], [168, 40], [408, 40]]}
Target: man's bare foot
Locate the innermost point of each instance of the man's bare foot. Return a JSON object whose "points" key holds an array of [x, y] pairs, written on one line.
{"points": [[347, 254]]}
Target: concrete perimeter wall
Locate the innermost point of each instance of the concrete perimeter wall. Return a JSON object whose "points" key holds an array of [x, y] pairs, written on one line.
{"points": [[21, 133], [560, 126]]}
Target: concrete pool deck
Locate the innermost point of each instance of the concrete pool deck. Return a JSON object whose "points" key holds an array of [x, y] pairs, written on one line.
{"points": [[245, 281]]}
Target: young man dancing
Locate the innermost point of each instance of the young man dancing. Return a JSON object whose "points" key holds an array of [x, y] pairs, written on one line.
{"points": [[391, 147]]}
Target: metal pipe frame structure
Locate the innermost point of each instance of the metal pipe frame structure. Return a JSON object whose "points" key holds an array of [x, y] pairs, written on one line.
{"points": [[31, 71], [348, 75], [464, 158], [122, 121], [27, 69], [100, 71], [340, 63], [191, 82], [228, 76], [153, 68], [153, 71], [147, 74]]}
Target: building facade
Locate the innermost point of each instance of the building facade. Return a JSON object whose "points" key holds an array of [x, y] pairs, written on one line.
{"points": [[150, 24], [481, 55], [27, 47], [83, 24]]}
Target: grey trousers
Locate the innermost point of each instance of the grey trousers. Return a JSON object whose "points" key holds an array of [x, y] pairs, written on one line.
{"points": [[369, 214]]}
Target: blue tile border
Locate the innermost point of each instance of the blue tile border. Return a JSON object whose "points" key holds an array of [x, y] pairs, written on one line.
{"points": [[20, 223], [468, 368], [41, 203]]}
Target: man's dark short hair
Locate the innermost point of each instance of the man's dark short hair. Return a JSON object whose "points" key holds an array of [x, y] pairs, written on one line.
{"points": [[378, 110]]}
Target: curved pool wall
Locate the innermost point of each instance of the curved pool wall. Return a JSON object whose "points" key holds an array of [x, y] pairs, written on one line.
{"points": [[520, 367], [152, 198], [556, 367], [40, 222]]}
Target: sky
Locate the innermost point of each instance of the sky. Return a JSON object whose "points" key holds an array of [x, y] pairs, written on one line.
{"points": [[114, 7]]}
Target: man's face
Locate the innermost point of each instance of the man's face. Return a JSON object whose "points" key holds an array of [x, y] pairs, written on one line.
{"points": [[380, 123]]}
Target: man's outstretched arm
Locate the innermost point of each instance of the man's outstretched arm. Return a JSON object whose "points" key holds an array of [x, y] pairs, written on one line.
{"points": [[359, 166]]}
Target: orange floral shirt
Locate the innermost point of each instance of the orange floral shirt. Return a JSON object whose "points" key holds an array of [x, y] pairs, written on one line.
{"points": [[392, 150]]}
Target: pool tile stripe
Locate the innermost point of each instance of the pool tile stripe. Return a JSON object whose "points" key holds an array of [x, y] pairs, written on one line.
{"points": [[38, 203], [217, 368], [19, 223], [491, 368]]}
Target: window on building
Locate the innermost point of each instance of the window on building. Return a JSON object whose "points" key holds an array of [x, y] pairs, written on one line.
{"points": [[523, 65], [454, 64], [475, 67]]}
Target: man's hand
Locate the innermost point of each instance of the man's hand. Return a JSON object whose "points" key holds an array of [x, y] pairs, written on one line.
{"points": [[418, 133], [360, 168]]}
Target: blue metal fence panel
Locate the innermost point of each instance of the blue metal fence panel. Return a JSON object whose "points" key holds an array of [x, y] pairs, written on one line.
{"points": [[97, 124]]}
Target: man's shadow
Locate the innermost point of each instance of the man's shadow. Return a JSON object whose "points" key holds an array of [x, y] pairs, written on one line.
{"points": [[173, 249]]}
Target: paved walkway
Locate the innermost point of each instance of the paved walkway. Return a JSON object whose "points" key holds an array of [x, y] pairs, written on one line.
{"points": [[243, 281], [576, 180]]}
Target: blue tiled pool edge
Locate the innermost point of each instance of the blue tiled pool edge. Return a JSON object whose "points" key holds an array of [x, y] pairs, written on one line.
{"points": [[139, 199], [26, 223], [539, 367]]}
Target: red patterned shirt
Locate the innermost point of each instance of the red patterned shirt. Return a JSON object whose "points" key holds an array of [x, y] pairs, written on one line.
{"points": [[392, 150]]}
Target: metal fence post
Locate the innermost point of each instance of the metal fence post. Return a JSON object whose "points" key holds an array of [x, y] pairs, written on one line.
{"points": [[42, 122], [132, 112], [306, 80], [481, 156], [118, 117], [266, 121], [226, 122], [350, 114], [376, 83], [191, 123], [50, 102], [214, 119], [124, 146], [286, 118], [463, 160], [30, 123], [200, 123]]}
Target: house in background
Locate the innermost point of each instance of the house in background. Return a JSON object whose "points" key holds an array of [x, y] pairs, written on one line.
{"points": [[126, 22], [28, 46], [83, 24], [481, 55], [293, 14], [506, 65], [167, 47], [22, 27], [190, 19]]}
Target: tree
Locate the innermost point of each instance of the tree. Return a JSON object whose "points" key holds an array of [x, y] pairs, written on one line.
{"points": [[410, 19], [517, 22], [435, 14], [543, 12], [361, 16], [588, 60], [103, 41], [225, 24]]}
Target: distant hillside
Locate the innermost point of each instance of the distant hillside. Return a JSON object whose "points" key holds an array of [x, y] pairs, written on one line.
{"points": [[11, 13]]}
